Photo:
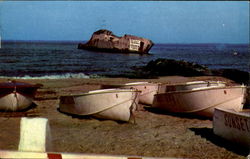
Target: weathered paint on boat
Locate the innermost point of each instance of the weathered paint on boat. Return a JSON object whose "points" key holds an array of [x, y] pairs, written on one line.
{"points": [[232, 125], [115, 104], [201, 101]]}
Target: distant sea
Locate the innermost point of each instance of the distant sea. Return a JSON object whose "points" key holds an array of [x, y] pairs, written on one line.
{"points": [[34, 59]]}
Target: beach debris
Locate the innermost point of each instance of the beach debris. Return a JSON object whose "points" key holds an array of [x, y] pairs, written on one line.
{"points": [[105, 41], [114, 104], [17, 96], [35, 135]]}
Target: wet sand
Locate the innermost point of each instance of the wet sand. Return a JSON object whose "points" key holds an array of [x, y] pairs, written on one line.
{"points": [[154, 133]]}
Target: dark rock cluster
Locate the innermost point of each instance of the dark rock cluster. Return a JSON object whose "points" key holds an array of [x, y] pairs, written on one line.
{"points": [[170, 67]]}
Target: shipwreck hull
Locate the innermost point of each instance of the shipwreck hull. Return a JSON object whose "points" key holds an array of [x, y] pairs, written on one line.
{"points": [[106, 41]]}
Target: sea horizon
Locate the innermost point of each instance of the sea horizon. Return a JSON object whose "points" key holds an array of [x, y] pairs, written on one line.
{"points": [[83, 41]]}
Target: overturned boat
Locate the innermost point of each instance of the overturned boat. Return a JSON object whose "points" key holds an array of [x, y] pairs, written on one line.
{"points": [[15, 96], [105, 41], [202, 100], [114, 104], [233, 125]]}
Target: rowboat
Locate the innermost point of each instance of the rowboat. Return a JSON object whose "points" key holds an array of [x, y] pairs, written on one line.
{"points": [[115, 104], [147, 89], [189, 85], [15, 96], [232, 125], [201, 101]]}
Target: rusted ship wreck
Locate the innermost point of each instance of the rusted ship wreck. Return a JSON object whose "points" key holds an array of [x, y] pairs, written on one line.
{"points": [[105, 41]]}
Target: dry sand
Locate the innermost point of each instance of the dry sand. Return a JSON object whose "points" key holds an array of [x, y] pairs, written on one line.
{"points": [[155, 134]]}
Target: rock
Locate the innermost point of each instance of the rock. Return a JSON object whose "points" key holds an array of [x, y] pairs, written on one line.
{"points": [[241, 77], [169, 67], [106, 41]]}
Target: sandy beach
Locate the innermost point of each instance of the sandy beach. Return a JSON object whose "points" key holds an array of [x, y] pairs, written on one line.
{"points": [[154, 133]]}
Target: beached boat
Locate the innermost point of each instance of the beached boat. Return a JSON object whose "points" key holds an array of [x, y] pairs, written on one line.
{"points": [[105, 41], [189, 85], [16, 96], [147, 89], [201, 101], [115, 104], [232, 125]]}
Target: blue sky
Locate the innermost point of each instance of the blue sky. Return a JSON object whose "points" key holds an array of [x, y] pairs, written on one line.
{"points": [[160, 21]]}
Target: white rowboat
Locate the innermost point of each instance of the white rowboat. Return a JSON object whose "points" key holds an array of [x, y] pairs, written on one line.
{"points": [[189, 85], [115, 104], [201, 101], [232, 125], [148, 90]]}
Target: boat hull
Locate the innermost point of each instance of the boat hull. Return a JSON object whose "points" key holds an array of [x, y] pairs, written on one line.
{"points": [[147, 89], [15, 96], [201, 101], [233, 126], [106, 104], [189, 85], [15, 102]]}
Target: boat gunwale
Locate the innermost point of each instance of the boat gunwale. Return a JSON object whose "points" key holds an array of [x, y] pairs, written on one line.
{"points": [[234, 112], [194, 83], [201, 89], [102, 92], [142, 83]]}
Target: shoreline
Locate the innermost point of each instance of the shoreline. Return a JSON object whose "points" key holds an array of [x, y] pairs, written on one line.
{"points": [[155, 134]]}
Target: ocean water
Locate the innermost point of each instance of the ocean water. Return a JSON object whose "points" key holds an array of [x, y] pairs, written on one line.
{"points": [[64, 60]]}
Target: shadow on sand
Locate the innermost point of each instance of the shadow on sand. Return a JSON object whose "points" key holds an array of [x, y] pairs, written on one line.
{"points": [[181, 115], [209, 135], [88, 117], [27, 112]]}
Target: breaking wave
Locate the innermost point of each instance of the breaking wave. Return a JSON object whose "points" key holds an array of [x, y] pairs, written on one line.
{"points": [[63, 76]]}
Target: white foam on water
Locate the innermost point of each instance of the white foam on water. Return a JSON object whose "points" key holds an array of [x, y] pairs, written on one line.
{"points": [[64, 76]]}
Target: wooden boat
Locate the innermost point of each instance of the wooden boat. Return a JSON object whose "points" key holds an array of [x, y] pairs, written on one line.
{"points": [[147, 89], [201, 101], [189, 85], [232, 125], [105, 41], [16, 96], [115, 104]]}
